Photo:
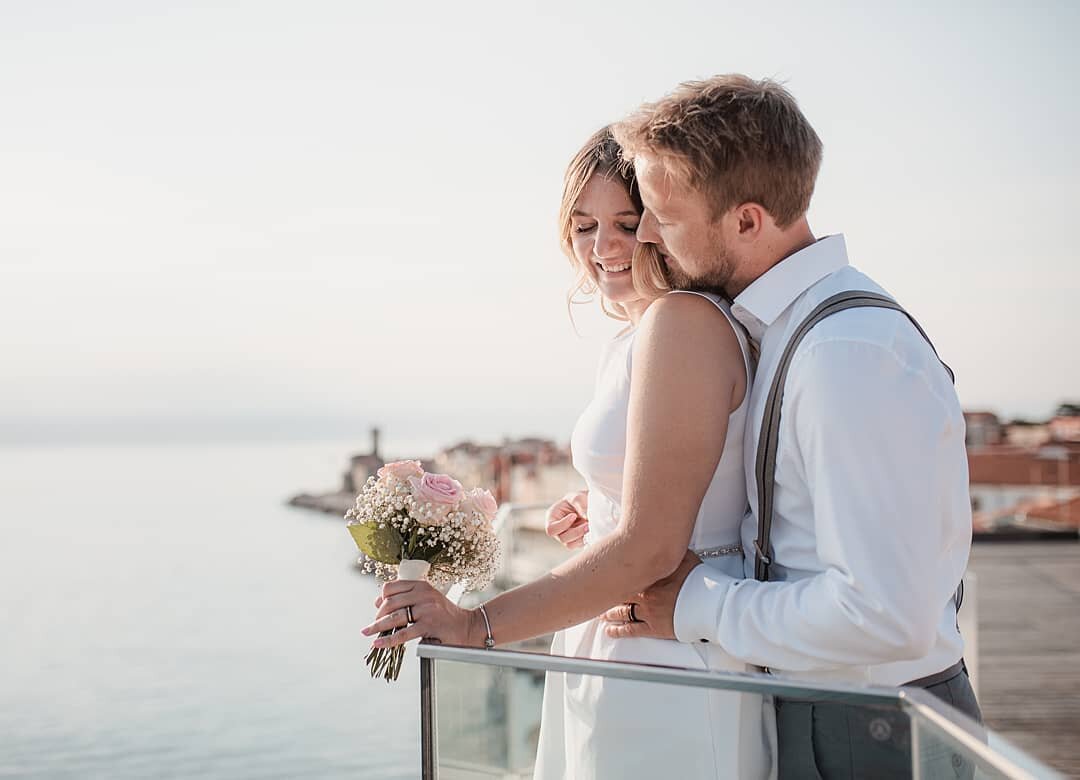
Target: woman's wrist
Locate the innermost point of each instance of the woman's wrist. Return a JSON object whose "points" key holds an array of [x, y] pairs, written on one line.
{"points": [[478, 629]]}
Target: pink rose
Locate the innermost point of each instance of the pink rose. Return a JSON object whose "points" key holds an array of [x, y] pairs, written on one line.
{"points": [[480, 500], [436, 489], [401, 469]]}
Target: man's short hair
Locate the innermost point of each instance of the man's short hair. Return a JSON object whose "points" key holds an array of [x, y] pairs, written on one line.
{"points": [[734, 139]]}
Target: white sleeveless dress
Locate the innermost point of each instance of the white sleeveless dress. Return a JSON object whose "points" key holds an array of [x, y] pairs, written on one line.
{"points": [[604, 729]]}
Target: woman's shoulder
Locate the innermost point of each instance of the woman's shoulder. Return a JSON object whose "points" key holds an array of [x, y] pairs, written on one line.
{"points": [[692, 336], [715, 299], [678, 312]]}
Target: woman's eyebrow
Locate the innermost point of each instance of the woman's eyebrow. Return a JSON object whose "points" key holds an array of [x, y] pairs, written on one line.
{"points": [[580, 213]]}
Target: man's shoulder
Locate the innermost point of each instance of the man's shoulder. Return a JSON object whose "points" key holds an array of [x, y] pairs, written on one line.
{"points": [[865, 347], [887, 329]]}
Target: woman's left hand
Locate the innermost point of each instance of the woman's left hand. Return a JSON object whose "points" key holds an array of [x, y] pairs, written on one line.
{"points": [[434, 617]]}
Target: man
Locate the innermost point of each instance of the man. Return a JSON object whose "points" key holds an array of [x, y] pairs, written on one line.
{"points": [[871, 526]]}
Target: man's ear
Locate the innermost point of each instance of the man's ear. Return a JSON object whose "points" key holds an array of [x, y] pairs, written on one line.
{"points": [[750, 220]]}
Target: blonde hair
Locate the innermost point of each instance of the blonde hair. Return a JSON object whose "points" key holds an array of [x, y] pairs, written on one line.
{"points": [[735, 140], [602, 156]]}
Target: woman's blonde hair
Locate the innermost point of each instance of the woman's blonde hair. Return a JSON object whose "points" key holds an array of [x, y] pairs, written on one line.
{"points": [[602, 156]]}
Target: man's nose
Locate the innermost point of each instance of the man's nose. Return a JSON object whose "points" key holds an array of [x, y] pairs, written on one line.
{"points": [[646, 229]]}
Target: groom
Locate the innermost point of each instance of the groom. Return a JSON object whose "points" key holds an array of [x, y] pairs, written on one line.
{"points": [[871, 519]]}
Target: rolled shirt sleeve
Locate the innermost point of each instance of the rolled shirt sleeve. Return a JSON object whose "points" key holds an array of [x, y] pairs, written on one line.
{"points": [[880, 446]]}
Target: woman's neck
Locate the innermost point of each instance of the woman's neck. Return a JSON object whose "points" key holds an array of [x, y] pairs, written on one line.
{"points": [[635, 310]]}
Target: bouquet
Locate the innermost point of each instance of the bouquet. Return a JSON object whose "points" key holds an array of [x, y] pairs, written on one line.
{"points": [[412, 525]]}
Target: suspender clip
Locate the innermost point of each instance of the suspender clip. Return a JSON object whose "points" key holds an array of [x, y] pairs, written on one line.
{"points": [[761, 554]]}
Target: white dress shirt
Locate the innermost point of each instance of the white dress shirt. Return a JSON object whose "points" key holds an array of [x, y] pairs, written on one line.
{"points": [[872, 521]]}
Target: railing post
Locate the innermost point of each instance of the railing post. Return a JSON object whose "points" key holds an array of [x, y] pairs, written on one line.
{"points": [[916, 747], [429, 740]]}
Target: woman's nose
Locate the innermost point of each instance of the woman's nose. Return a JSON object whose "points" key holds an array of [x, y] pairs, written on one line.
{"points": [[610, 244]]}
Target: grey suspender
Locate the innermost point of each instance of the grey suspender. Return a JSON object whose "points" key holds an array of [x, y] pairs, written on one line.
{"points": [[765, 468]]}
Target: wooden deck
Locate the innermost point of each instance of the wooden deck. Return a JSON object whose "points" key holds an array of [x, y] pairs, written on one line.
{"points": [[1029, 646]]}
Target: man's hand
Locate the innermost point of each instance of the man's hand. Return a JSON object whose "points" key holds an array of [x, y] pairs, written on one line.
{"points": [[654, 609]]}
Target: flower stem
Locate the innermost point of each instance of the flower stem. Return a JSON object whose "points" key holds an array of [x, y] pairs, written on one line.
{"points": [[386, 662]]}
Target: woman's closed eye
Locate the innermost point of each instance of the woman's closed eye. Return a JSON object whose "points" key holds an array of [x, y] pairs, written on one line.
{"points": [[588, 227]]}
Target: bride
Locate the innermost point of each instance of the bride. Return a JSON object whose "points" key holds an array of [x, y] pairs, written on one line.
{"points": [[660, 449]]}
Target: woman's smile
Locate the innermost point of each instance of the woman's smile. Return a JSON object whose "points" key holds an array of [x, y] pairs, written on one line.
{"points": [[613, 269]]}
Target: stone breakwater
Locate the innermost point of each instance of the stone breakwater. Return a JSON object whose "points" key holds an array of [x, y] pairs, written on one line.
{"points": [[331, 503]]}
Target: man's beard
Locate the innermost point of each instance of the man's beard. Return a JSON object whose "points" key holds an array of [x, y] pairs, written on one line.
{"points": [[714, 280]]}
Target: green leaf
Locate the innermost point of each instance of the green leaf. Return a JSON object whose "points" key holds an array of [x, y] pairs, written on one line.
{"points": [[380, 544]]}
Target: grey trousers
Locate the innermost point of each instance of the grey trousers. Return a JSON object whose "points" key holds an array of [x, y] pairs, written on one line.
{"points": [[825, 740]]}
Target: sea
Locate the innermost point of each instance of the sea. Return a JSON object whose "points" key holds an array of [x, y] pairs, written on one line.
{"points": [[165, 614]]}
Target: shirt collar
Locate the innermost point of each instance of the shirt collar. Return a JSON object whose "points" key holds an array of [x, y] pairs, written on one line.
{"points": [[759, 305]]}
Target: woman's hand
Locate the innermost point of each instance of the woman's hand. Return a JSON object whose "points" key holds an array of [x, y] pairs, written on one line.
{"points": [[568, 519], [434, 617]]}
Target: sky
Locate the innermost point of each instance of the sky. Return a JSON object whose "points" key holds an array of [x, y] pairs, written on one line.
{"points": [[299, 220]]}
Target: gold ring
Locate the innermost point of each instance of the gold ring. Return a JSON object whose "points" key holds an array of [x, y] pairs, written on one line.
{"points": [[633, 617], [408, 615]]}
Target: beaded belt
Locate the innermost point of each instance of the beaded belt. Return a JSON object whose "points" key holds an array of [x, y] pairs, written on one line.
{"points": [[716, 552]]}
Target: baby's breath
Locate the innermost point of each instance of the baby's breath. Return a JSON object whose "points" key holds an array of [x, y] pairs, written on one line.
{"points": [[459, 544]]}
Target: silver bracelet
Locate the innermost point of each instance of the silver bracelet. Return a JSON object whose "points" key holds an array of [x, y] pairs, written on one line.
{"points": [[489, 642]]}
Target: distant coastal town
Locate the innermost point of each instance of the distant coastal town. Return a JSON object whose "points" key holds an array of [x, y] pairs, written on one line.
{"points": [[1024, 475], [521, 471]]}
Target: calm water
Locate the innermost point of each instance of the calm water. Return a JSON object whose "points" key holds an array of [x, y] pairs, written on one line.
{"points": [[163, 614]]}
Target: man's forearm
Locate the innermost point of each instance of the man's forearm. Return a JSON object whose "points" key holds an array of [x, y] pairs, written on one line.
{"points": [[816, 623]]}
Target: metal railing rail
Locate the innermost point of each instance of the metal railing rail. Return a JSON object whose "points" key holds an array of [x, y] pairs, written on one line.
{"points": [[742, 682]]}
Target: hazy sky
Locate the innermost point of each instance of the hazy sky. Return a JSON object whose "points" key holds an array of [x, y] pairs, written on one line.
{"points": [[301, 219]]}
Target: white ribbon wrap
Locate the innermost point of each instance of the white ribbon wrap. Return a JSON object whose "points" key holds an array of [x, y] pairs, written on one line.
{"points": [[413, 570]]}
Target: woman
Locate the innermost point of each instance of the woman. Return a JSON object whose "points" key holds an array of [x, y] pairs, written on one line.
{"points": [[660, 448]]}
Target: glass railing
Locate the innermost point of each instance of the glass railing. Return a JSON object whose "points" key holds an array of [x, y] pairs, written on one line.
{"points": [[481, 709], [480, 715]]}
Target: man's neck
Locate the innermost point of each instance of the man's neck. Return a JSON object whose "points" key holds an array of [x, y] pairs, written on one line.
{"points": [[794, 239]]}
